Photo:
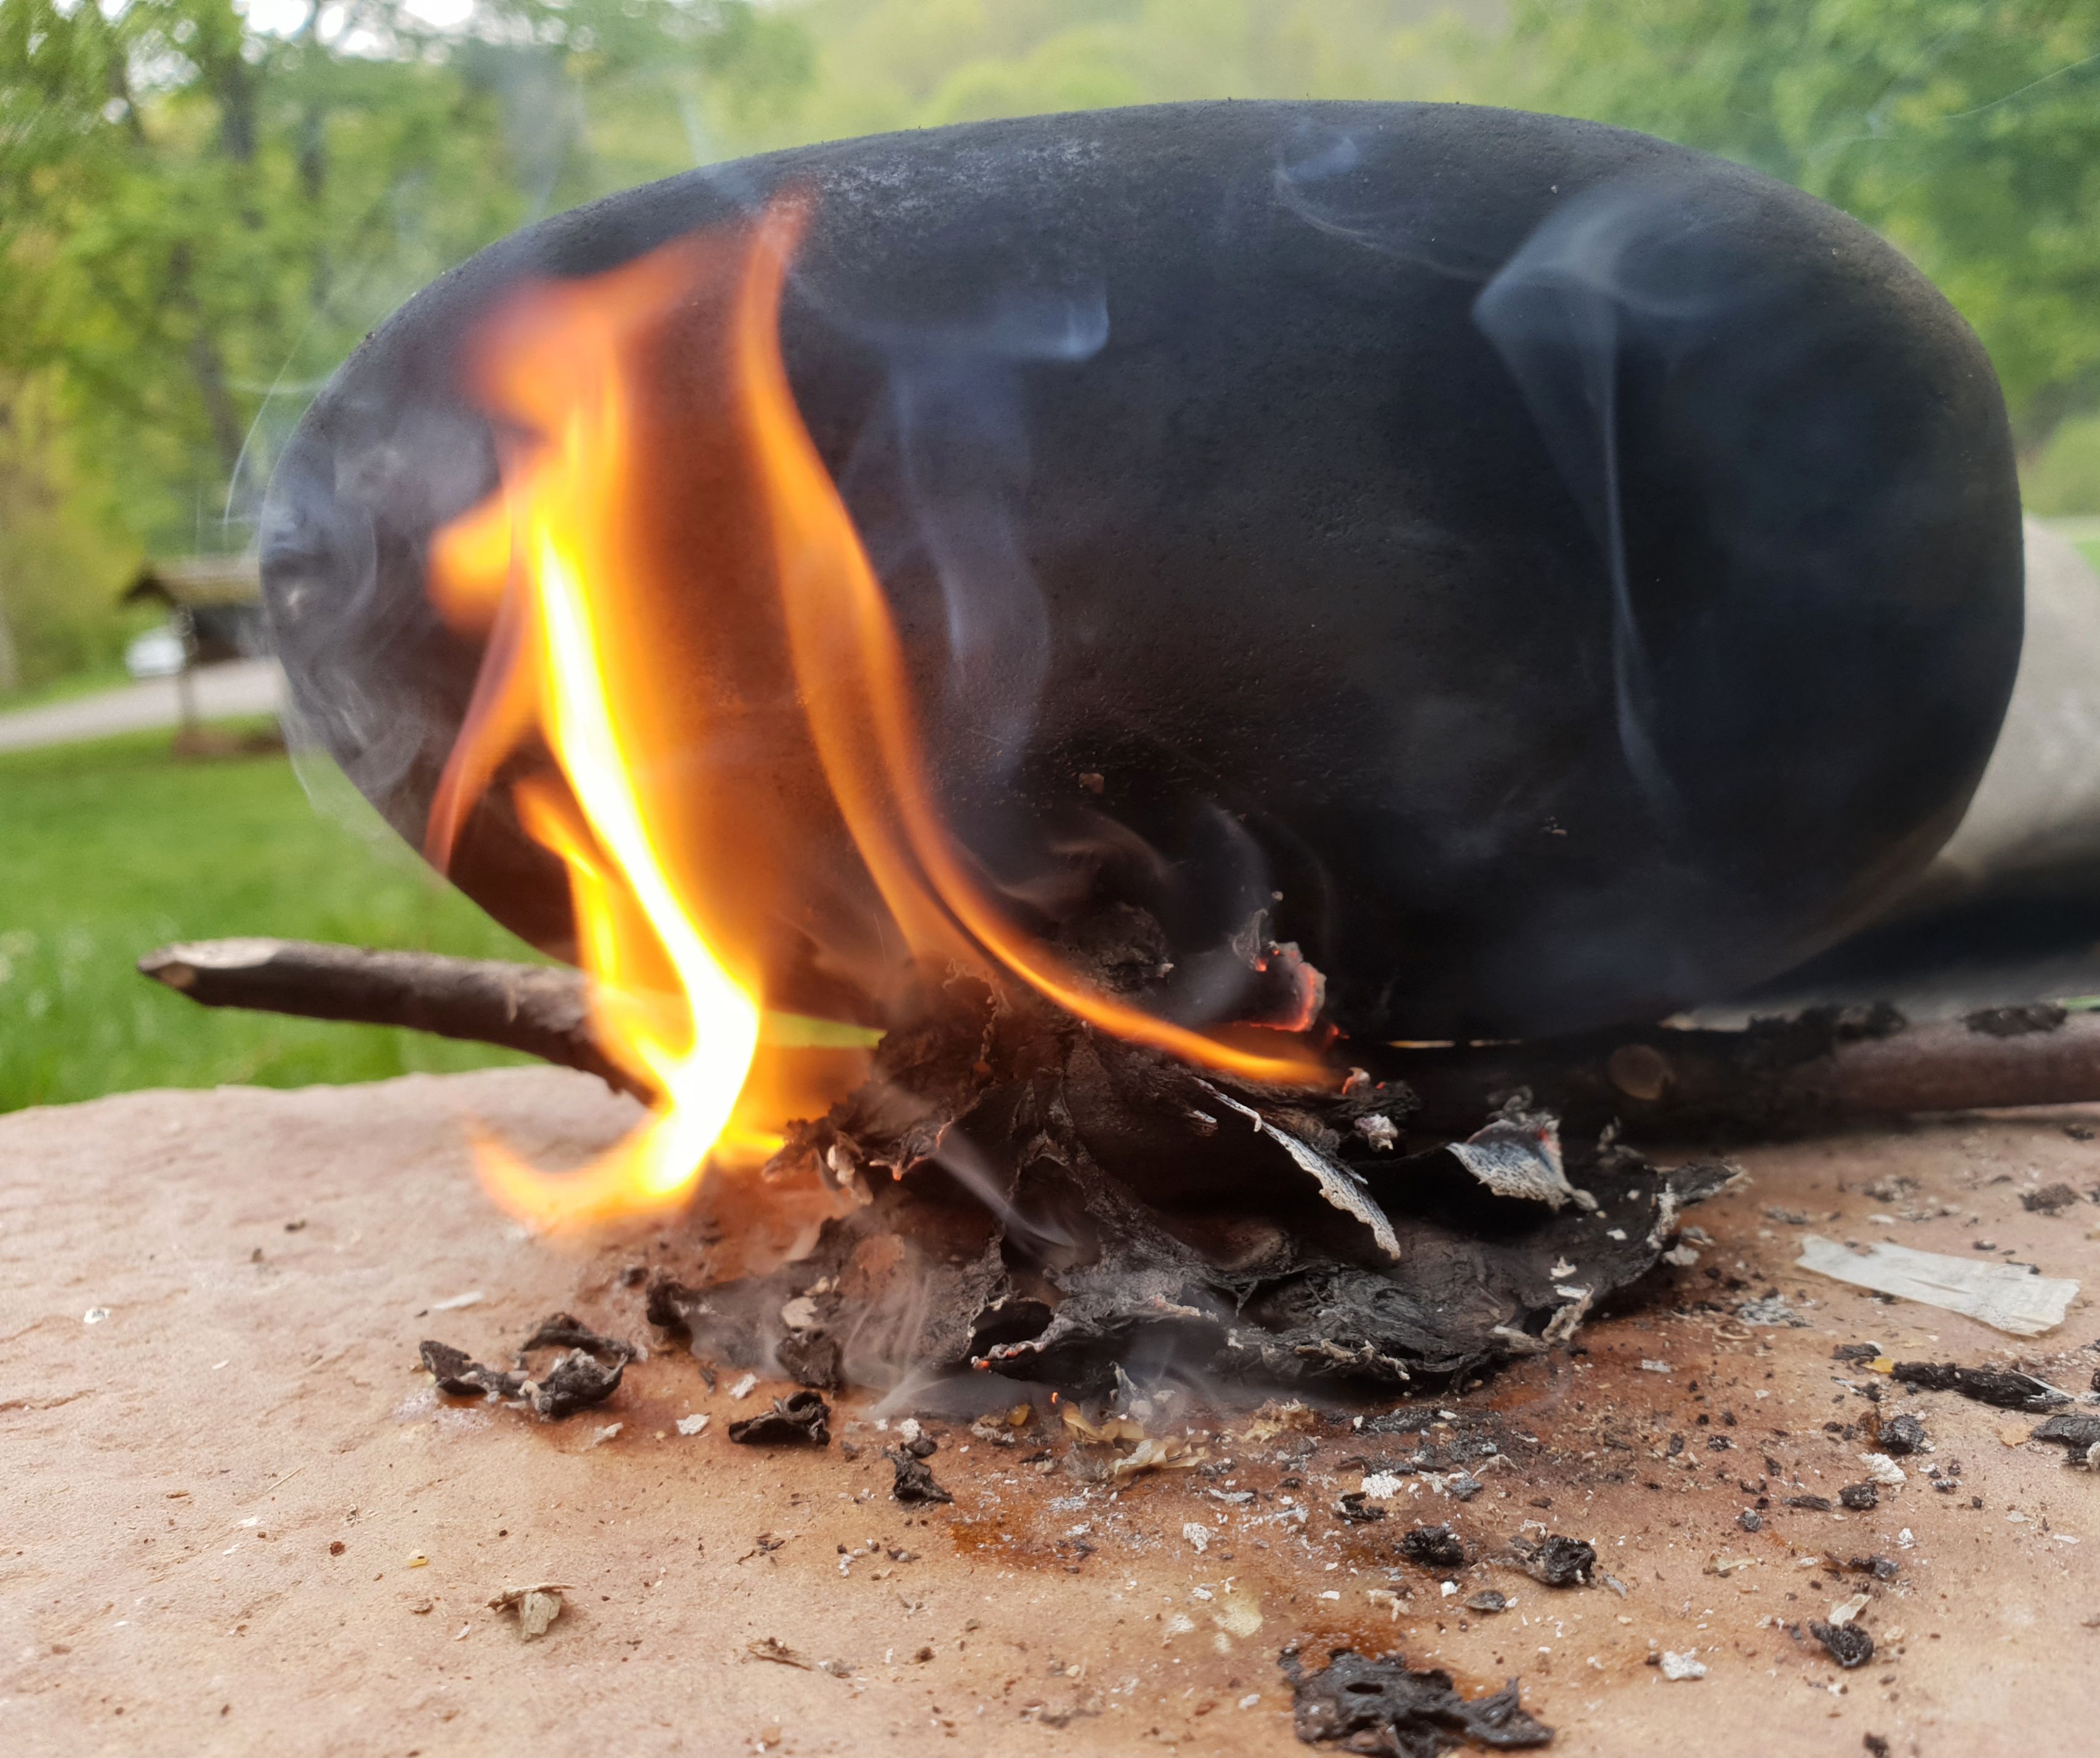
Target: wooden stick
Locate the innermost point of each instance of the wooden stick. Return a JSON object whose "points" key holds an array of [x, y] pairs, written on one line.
{"points": [[1780, 1075], [541, 1009], [1784, 1075]]}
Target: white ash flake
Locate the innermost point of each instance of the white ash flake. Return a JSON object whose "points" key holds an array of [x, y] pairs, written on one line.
{"points": [[1198, 1534], [1687, 1665], [599, 1437], [1380, 1486], [473, 1297], [1846, 1610], [1616, 1232], [1656, 1367], [1561, 1271], [693, 1424], [744, 1387], [2001, 1295], [1882, 1469], [95, 1315], [800, 1314]]}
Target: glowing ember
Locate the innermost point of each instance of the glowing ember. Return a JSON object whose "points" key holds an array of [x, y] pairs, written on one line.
{"points": [[578, 573]]}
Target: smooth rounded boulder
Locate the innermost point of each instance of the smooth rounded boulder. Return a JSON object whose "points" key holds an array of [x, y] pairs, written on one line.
{"points": [[1558, 576]]}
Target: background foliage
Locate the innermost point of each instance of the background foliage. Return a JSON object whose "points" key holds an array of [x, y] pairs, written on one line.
{"points": [[203, 204]]}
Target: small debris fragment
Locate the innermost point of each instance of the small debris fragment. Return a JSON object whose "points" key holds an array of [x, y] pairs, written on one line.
{"points": [[915, 1478], [1750, 1520], [693, 1425], [1902, 1435], [1771, 1312], [744, 1387], [458, 1303], [1849, 1645], [1379, 1706], [803, 1420], [1884, 1471], [772, 1648], [1808, 1504], [599, 1437], [1197, 1533], [2051, 1199], [459, 1374], [1434, 1547], [1489, 1601], [1355, 1506], [1274, 1418], [1999, 1295], [575, 1382], [1999, 1386], [95, 1315], [2075, 1432], [1687, 1665], [1557, 1562], [1860, 1497], [1847, 1609], [536, 1606]]}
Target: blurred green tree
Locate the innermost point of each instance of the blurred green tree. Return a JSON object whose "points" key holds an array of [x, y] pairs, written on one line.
{"points": [[202, 205], [1968, 131]]}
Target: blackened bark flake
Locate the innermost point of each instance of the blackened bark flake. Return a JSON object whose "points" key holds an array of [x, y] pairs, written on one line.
{"points": [[803, 1420], [915, 1478], [1860, 1497], [1557, 1561], [587, 1371], [1999, 1386], [575, 1382], [1849, 1645], [1807, 1504], [458, 1375], [1356, 1506], [1379, 1706], [1043, 1200], [2076, 1433], [1902, 1435], [1434, 1547]]}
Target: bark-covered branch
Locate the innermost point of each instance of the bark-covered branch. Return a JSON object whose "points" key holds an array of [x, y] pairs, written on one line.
{"points": [[1818, 1067], [541, 1010]]}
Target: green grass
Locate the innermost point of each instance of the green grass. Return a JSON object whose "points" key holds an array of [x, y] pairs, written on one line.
{"points": [[110, 849]]}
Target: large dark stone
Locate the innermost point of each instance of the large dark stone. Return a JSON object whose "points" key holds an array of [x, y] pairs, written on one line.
{"points": [[1580, 575]]}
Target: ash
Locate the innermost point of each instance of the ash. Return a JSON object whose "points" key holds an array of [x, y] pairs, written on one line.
{"points": [[1038, 1198]]}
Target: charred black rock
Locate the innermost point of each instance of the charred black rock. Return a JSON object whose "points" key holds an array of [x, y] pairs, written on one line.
{"points": [[1487, 1600], [1356, 1506], [1849, 1645], [1860, 1497], [1512, 707], [1901, 1435], [1434, 1547], [1750, 1520], [1557, 1561], [2001, 1387], [915, 1478], [1380, 1706], [802, 1420]]}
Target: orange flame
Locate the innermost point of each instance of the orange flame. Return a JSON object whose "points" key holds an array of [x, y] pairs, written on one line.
{"points": [[579, 573]]}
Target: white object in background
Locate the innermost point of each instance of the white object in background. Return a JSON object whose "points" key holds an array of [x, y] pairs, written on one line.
{"points": [[158, 653], [2001, 1295]]}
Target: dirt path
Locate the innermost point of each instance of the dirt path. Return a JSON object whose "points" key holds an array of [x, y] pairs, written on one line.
{"points": [[242, 687]]}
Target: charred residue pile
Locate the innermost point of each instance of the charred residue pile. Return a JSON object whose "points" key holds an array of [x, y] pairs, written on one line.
{"points": [[1046, 1200]]}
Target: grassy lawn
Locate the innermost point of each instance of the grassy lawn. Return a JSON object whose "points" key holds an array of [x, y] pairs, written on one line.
{"points": [[109, 849]]}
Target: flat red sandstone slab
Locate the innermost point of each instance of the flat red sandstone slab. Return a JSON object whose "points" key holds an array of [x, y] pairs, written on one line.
{"points": [[239, 1518]]}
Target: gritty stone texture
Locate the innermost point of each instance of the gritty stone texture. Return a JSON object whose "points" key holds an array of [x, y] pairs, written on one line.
{"points": [[220, 1390]]}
